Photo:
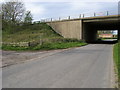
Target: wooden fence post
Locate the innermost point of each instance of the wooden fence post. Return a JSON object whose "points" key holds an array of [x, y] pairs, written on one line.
{"points": [[94, 14], [59, 18], [107, 13], [51, 19], [80, 16], [69, 17], [83, 15]]}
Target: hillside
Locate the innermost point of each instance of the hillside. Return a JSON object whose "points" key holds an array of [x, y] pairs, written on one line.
{"points": [[37, 36], [30, 33]]}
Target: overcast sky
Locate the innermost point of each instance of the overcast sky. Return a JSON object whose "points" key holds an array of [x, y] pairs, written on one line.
{"points": [[41, 9]]}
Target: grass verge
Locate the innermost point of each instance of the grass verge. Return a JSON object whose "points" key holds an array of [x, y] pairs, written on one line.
{"points": [[116, 56], [45, 46]]}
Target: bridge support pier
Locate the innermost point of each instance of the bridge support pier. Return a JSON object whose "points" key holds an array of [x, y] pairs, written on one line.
{"points": [[118, 35]]}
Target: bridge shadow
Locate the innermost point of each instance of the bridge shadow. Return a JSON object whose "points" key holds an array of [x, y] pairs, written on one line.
{"points": [[104, 42]]}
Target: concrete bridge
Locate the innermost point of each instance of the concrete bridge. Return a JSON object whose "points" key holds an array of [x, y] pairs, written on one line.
{"points": [[85, 28]]}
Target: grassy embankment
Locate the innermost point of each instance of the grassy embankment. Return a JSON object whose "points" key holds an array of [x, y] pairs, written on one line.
{"points": [[116, 56], [39, 36]]}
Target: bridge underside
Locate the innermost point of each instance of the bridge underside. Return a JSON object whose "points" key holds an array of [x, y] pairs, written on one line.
{"points": [[90, 29]]}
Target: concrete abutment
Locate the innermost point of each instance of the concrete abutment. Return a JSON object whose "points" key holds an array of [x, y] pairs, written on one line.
{"points": [[68, 29]]}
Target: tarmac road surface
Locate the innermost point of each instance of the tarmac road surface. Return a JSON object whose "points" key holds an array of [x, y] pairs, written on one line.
{"points": [[83, 67]]}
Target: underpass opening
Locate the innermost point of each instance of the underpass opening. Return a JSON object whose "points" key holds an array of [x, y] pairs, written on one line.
{"points": [[91, 29]]}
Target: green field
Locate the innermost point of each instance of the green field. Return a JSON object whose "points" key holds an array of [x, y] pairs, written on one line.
{"points": [[116, 56]]}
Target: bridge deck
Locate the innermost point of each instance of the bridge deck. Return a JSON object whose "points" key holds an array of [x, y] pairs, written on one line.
{"points": [[112, 17]]}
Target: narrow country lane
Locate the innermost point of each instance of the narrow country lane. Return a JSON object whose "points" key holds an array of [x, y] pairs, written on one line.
{"points": [[83, 67]]}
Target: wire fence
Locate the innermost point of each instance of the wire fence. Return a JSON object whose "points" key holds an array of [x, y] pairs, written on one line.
{"points": [[85, 15]]}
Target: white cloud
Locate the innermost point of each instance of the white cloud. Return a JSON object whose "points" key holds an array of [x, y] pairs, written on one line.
{"points": [[71, 0], [66, 0], [36, 10], [91, 7], [84, 6], [1, 1], [46, 9]]}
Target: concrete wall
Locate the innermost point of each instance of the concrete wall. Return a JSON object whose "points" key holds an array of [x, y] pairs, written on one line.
{"points": [[68, 29]]}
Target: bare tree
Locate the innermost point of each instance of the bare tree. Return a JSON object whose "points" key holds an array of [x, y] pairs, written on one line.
{"points": [[13, 11]]}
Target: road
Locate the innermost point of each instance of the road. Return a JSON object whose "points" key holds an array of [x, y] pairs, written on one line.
{"points": [[83, 67]]}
